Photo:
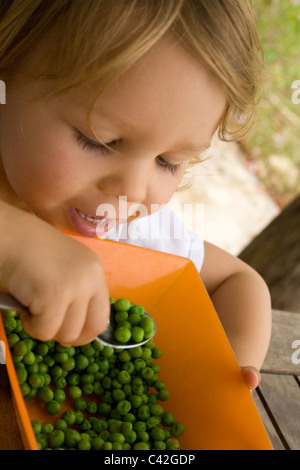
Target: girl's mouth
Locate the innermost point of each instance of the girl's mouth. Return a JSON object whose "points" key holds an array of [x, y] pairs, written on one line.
{"points": [[89, 225]]}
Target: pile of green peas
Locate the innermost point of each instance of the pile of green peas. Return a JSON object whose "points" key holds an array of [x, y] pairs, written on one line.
{"points": [[115, 394], [131, 323]]}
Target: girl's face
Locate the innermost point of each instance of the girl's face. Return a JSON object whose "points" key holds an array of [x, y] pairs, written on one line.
{"points": [[156, 117]]}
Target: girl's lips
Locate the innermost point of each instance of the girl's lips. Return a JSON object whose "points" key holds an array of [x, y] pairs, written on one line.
{"points": [[89, 225]]}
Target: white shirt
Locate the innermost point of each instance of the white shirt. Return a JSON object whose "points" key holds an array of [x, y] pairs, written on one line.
{"points": [[161, 231]]}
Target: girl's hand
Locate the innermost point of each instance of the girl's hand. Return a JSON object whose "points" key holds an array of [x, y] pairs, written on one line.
{"points": [[251, 376], [58, 279]]}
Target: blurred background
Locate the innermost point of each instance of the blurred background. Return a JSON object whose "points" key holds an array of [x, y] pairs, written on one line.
{"points": [[244, 187]]}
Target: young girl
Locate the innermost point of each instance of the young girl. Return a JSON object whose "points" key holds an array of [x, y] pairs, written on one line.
{"points": [[108, 100]]}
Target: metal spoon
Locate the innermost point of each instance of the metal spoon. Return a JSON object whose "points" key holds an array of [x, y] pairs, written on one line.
{"points": [[106, 338]]}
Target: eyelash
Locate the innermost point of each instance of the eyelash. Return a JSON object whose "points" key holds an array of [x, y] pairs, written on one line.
{"points": [[168, 166], [88, 144]]}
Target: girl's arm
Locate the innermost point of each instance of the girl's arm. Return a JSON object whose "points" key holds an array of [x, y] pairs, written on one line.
{"points": [[242, 301]]}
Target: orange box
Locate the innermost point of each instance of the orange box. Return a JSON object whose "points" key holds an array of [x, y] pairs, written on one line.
{"points": [[207, 391]]}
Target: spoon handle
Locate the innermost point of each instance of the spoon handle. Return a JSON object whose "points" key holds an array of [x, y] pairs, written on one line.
{"points": [[8, 302]]}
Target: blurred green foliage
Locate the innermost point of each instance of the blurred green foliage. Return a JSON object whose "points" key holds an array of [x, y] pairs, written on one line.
{"points": [[278, 122]]}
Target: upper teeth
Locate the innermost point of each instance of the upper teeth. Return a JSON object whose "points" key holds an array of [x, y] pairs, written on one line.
{"points": [[89, 218]]}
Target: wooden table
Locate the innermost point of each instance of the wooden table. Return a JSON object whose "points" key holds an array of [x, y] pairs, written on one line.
{"points": [[277, 398], [278, 395]]}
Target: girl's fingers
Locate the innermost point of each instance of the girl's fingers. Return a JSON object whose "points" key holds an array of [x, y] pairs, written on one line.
{"points": [[83, 323], [251, 376]]}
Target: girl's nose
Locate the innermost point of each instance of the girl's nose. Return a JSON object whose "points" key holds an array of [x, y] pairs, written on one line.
{"points": [[127, 180]]}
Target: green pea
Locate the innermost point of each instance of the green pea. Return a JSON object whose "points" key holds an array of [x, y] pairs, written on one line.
{"points": [[134, 319], [122, 334], [117, 437], [56, 371], [84, 444], [69, 364], [42, 349], [93, 368], [53, 407], [122, 305], [159, 445], [60, 382], [104, 409], [153, 422], [143, 436], [143, 412], [156, 410], [45, 394], [87, 378], [121, 316], [47, 428], [72, 438], [82, 361], [137, 334], [75, 391], [172, 444], [56, 438], [130, 437], [88, 350], [36, 426], [158, 434], [91, 407], [12, 339], [61, 424], [123, 407], [21, 375], [59, 395], [36, 380], [141, 446], [177, 429], [29, 358], [167, 418], [25, 389], [21, 348], [137, 309], [156, 353], [69, 416], [107, 446], [163, 395], [61, 357], [147, 373], [9, 324], [124, 377], [136, 352], [80, 404]]}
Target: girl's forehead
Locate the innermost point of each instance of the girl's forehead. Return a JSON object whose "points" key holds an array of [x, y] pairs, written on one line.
{"points": [[166, 86]]}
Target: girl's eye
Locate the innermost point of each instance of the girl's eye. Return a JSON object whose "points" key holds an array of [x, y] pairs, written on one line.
{"points": [[88, 144], [168, 166]]}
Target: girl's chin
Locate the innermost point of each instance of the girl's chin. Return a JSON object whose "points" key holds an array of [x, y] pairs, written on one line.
{"points": [[88, 228]]}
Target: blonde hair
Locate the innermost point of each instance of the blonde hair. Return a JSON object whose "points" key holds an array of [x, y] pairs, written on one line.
{"points": [[96, 41]]}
